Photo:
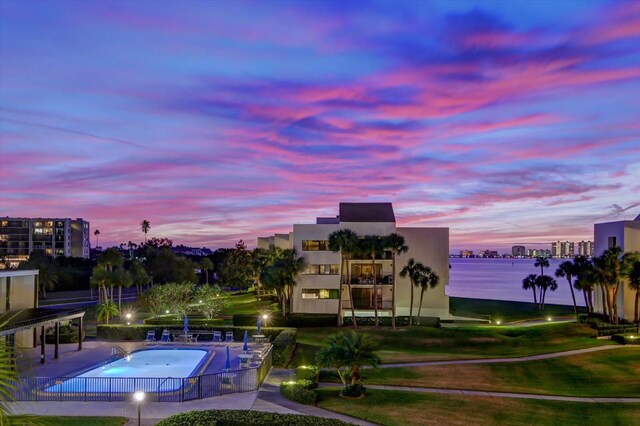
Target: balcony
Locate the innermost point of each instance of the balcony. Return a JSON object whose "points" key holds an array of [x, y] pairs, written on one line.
{"points": [[363, 298], [368, 280]]}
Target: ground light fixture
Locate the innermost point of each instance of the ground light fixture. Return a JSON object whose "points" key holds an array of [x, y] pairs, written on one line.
{"points": [[549, 319], [498, 322], [128, 316], [138, 398]]}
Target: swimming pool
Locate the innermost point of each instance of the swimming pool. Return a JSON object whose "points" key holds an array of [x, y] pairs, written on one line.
{"points": [[149, 370]]}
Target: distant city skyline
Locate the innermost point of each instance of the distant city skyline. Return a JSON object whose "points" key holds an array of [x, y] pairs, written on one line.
{"points": [[511, 123]]}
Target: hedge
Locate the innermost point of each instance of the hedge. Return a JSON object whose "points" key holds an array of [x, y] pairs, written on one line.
{"points": [[307, 372], [402, 321], [291, 320], [119, 332], [67, 335], [176, 322], [283, 346], [245, 417], [626, 339], [299, 391]]}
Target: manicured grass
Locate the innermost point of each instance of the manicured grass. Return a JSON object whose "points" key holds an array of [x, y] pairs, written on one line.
{"points": [[406, 408], [613, 373], [245, 304], [508, 311], [428, 344], [69, 421]]}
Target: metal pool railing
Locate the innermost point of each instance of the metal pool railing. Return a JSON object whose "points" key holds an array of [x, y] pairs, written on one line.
{"points": [[160, 389]]}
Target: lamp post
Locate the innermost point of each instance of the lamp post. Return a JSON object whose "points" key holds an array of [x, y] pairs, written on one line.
{"points": [[138, 397]]}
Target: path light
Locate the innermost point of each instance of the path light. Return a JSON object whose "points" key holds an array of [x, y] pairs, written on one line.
{"points": [[138, 397], [166, 312], [549, 318], [498, 322], [199, 301], [265, 317], [128, 316]]}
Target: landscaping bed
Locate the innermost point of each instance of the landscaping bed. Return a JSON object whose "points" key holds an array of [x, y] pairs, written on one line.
{"points": [[245, 417]]}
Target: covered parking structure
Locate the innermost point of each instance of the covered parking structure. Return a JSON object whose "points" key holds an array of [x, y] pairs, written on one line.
{"points": [[31, 319]]}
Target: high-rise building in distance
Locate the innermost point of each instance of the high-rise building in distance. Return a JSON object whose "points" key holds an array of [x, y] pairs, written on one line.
{"points": [[518, 251], [586, 248], [19, 237], [562, 249]]}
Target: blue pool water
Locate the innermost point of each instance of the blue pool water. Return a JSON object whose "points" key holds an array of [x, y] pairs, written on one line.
{"points": [[149, 370]]}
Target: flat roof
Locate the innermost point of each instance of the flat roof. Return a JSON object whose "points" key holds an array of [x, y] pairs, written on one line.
{"points": [[18, 272], [23, 319], [366, 212]]}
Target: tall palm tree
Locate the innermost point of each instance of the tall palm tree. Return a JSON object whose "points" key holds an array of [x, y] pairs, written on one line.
{"points": [[429, 279], [145, 225], [541, 262], [47, 276], [111, 260], [139, 275], [373, 246], [610, 267], [293, 265], [96, 233], [631, 271], [206, 265], [122, 278], [545, 283], [344, 241], [397, 245], [529, 283], [567, 270], [414, 270], [583, 270]]}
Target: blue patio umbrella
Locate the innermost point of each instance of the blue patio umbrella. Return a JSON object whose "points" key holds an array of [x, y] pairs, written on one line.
{"points": [[186, 324], [259, 325], [227, 364], [245, 346]]}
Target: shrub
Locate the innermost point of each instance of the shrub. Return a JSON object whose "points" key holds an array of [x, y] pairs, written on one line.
{"points": [[354, 390], [175, 322], [245, 417], [402, 321], [283, 346], [628, 339], [292, 320], [299, 391], [118, 332], [67, 334], [307, 372]]}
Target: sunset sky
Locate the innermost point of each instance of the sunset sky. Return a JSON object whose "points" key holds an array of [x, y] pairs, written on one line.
{"points": [[508, 122]]}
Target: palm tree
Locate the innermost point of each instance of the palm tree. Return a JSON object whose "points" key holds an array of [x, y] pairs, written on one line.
{"points": [[111, 259], [47, 276], [96, 233], [631, 270], [293, 265], [101, 279], [414, 270], [529, 283], [610, 267], [105, 311], [145, 226], [349, 352], [280, 274], [122, 278], [345, 241], [373, 246], [428, 279], [545, 283], [567, 270], [206, 265], [397, 245], [583, 270], [139, 275], [8, 376], [541, 262]]}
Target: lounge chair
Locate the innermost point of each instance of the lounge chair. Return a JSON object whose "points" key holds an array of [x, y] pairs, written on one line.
{"points": [[228, 337], [166, 336], [217, 337], [151, 336]]}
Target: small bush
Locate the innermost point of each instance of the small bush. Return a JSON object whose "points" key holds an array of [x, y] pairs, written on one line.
{"points": [[307, 372], [386, 321], [628, 339], [354, 390], [299, 391], [245, 417], [283, 346]]}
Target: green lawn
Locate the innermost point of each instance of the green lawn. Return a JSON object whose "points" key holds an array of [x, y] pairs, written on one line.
{"points": [[406, 408], [508, 311], [427, 343], [245, 304], [68, 420], [614, 373]]}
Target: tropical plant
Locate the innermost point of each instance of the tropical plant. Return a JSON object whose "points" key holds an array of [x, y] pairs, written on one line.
{"points": [[541, 262], [584, 280], [236, 267], [145, 226], [206, 265], [153, 300], [397, 245], [372, 246], [347, 354], [211, 301], [121, 278], [427, 280], [609, 267], [139, 276], [101, 279], [346, 242], [106, 310], [545, 283], [567, 270], [529, 283], [631, 271], [179, 296], [415, 271], [8, 376]]}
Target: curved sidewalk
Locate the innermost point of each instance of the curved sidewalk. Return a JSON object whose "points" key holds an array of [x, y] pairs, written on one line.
{"points": [[500, 394], [499, 360]]}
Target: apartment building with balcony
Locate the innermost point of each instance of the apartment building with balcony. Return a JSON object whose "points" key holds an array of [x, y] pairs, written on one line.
{"points": [[19, 237], [318, 287]]}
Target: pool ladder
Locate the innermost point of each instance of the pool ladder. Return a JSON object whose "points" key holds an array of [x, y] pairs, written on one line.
{"points": [[118, 351]]}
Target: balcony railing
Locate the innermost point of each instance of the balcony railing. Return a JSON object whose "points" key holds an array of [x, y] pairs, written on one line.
{"points": [[382, 280]]}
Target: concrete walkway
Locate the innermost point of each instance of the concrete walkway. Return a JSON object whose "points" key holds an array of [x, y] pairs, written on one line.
{"points": [[496, 394], [270, 393], [501, 360]]}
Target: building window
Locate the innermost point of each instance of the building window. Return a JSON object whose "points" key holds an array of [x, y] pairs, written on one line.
{"points": [[315, 245], [320, 293], [612, 242], [321, 270]]}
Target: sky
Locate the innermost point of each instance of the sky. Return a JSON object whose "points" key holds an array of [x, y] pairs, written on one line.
{"points": [[510, 122]]}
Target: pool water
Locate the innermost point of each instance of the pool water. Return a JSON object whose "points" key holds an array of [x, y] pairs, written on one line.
{"points": [[153, 370]]}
